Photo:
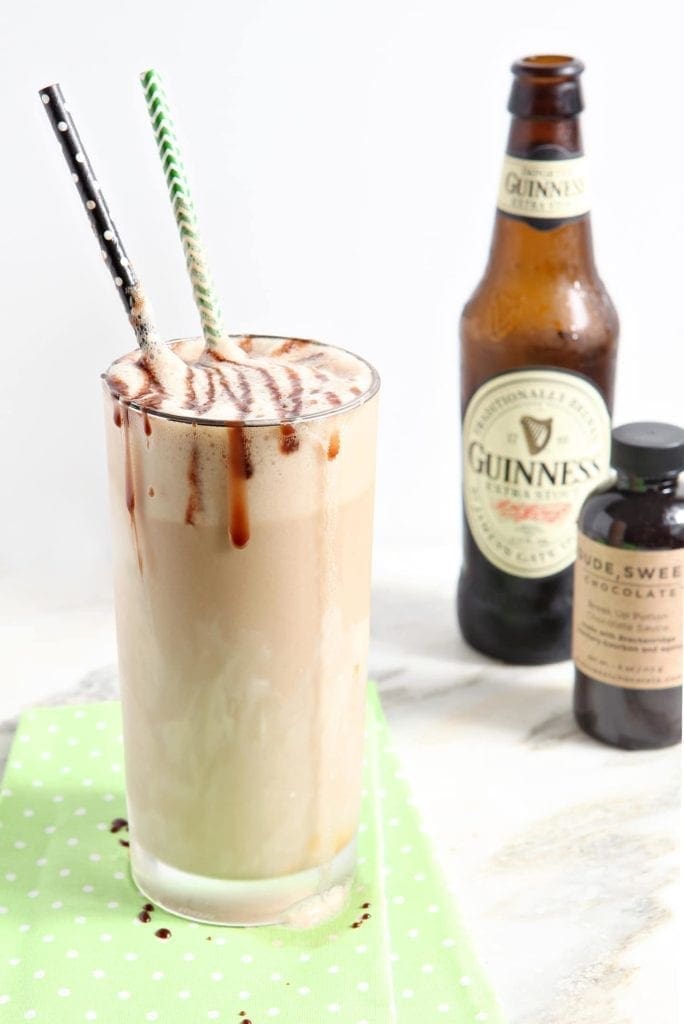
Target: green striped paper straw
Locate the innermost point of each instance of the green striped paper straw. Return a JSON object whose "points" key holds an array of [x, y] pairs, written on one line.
{"points": [[183, 208]]}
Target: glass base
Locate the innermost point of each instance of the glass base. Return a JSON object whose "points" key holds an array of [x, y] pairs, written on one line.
{"points": [[302, 900]]}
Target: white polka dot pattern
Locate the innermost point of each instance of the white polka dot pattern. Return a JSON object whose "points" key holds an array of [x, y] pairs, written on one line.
{"points": [[84, 177], [69, 910]]}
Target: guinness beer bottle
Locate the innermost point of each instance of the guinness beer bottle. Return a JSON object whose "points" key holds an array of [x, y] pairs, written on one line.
{"points": [[538, 347]]}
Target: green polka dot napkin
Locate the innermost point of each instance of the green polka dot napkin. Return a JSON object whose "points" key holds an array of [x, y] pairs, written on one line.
{"points": [[73, 947]]}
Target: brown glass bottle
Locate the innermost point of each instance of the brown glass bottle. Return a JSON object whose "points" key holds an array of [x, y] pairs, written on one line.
{"points": [[629, 590], [538, 349]]}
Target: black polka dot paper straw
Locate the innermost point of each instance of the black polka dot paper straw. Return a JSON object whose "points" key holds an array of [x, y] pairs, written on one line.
{"points": [[94, 203]]}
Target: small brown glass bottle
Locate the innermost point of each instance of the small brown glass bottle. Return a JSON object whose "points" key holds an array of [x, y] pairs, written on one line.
{"points": [[628, 616]]}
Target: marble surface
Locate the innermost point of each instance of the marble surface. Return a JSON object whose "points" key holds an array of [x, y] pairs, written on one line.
{"points": [[562, 853]]}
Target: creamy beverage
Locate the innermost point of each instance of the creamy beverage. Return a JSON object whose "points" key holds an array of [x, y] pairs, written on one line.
{"points": [[241, 486]]}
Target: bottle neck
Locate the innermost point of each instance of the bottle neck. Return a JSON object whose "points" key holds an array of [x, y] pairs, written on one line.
{"points": [[638, 484], [538, 138], [527, 243]]}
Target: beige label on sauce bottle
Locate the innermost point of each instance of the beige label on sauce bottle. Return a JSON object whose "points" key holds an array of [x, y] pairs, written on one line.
{"points": [[544, 189], [628, 615]]}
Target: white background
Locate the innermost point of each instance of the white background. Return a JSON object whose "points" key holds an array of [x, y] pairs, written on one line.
{"points": [[345, 159]]}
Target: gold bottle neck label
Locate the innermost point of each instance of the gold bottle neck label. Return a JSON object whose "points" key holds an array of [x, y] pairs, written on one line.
{"points": [[535, 443], [628, 615], [544, 190]]}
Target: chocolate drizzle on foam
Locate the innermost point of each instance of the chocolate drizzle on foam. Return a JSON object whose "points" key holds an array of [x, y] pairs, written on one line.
{"points": [[208, 404], [155, 391], [251, 380], [190, 392], [274, 391], [297, 392]]}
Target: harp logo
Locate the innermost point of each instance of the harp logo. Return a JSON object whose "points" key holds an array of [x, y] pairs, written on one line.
{"points": [[537, 433]]}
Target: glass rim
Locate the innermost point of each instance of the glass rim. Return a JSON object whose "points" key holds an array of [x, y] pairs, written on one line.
{"points": [[334, 410]]}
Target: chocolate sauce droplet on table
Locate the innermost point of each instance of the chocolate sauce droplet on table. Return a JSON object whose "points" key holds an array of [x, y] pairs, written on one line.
{"points": [[144, 916], [117, 824], [163, 933], [239, 471], [364, 917], [124, 842]]}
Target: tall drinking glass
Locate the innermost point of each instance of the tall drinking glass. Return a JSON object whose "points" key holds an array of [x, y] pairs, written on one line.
{"points": [[241, 557]]}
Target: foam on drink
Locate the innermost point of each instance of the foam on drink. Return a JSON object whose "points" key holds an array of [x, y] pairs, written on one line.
{"points": [[245, 379]]}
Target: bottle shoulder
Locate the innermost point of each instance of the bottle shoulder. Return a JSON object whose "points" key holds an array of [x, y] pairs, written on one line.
{"points": [[648, 519], [554, 311], [506, 331], [540, 278], [540, 304]]}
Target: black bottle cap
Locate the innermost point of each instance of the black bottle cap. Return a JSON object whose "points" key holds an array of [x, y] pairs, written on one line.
{"points": [[648, 450]]}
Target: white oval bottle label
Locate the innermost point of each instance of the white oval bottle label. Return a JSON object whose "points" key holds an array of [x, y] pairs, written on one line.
{"points": [[535, 443]]}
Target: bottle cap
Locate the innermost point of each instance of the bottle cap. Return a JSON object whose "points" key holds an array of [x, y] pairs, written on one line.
{"points": [[648, 450]]}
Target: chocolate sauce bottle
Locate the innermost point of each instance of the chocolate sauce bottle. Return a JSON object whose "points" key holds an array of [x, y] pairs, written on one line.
{"points": [[628, 616]]}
